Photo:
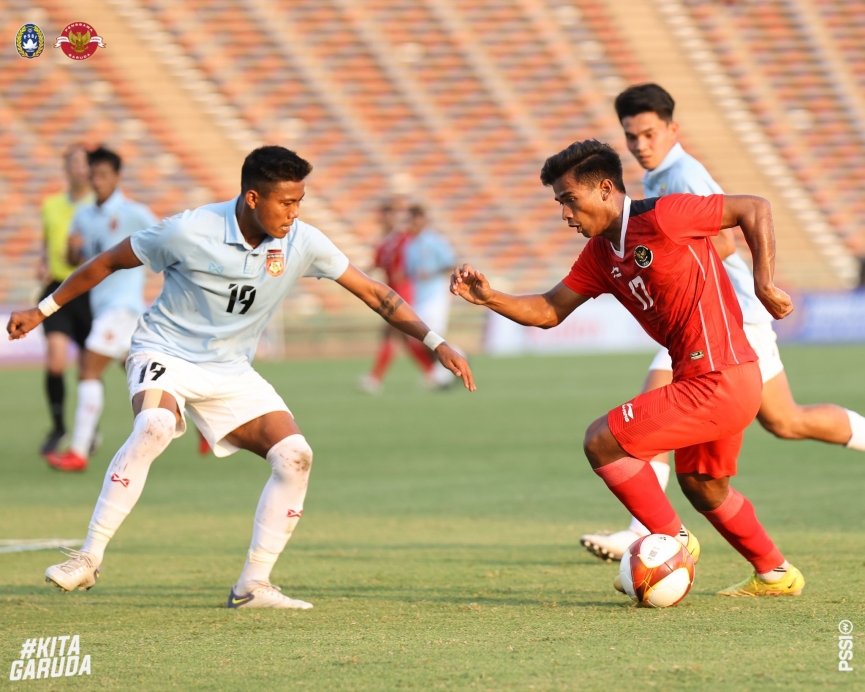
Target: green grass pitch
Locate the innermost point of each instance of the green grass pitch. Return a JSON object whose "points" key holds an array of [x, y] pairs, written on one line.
{"points": [[439, 545]]}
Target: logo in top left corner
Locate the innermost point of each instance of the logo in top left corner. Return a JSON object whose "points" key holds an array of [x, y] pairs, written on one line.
{"points": [[79, 41], [30, 41]]}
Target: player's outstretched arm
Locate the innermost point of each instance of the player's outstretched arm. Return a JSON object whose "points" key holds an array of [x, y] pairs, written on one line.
{"points": [[80, 281], [540, 310], [396, 312], [754, 216]]}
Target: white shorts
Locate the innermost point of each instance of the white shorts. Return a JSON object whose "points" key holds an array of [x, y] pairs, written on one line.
{"points": [[217, 404], [111, 333], [763, 340], [435, 312]]}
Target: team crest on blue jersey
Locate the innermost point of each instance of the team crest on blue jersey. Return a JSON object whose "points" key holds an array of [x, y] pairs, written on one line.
{"points": [[275, 263], [30, 41], [642, 256]]}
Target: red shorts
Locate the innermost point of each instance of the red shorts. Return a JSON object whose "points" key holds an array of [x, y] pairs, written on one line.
{"points": [[703, 418]]}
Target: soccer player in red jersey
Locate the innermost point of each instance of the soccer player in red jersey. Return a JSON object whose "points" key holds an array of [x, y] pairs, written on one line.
{"points": [[390, 258], [656, 258]]}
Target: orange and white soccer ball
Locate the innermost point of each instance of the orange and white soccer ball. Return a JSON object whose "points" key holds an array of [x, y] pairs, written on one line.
{"points": [[657, 571]]}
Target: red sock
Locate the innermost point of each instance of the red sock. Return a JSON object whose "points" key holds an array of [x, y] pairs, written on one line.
{"points": [[383, 359], [419, 352], [737, 521], [635, 484]]}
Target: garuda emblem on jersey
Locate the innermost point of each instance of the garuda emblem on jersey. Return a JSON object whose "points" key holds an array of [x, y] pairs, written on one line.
{"points": [[30, 41], [275, 262], [79, 41], [642, 256]]}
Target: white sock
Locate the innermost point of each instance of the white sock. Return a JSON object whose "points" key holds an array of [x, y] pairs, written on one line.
{"points": [[91, 397], [857, 426], [124, 480], [279, 509], [775, 574], [662, 472]]}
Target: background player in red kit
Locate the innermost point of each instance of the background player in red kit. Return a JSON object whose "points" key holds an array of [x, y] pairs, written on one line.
{"points": [[655, 257], [390, 258]]}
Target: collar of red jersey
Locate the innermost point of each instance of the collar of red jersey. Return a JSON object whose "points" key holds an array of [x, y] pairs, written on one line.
{"points": [[626, 214]]}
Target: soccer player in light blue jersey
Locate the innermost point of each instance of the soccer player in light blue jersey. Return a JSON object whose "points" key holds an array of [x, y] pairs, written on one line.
{"points": [[646, 114], [227, 269], [429, 259], [116, 303]]}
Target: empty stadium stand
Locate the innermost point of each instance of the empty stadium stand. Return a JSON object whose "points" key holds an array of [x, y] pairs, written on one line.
{"points": [[455, 104]]}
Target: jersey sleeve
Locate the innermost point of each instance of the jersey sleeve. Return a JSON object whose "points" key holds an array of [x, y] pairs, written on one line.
{"points": [[686, 217], [160, 245], [585, 277], [326, 260]]}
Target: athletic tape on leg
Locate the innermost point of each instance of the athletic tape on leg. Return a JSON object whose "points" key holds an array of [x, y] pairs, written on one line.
{"points": [[152, 399]]}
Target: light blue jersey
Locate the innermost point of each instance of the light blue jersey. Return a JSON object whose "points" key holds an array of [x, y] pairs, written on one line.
{"points": [[681, 172], [428, 257], [101, 227], [219, 292]]}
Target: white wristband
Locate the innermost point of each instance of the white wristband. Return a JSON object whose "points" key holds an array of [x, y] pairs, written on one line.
{"points": [[432, 340], [48, 306]]}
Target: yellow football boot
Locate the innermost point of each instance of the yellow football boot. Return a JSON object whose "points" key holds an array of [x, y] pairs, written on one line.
{"points": [[791, 584], [691, 543]]}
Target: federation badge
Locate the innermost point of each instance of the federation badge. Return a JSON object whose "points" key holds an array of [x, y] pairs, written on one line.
{"points": [[642, 256], [30, 41], [79, 41], [275, 262]]}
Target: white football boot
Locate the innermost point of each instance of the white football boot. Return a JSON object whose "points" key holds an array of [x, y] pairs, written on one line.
{"points": [[78, 572], [265, 595], [609, 546]]}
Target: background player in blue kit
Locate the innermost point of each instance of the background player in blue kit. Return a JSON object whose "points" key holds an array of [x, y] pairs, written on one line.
{"points": [[227, 268], [116, 303], [646, 114]]}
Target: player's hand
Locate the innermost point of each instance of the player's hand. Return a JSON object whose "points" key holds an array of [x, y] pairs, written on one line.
{"points": [[776, 301], [458, 365], [471, 285], [20, 323]]}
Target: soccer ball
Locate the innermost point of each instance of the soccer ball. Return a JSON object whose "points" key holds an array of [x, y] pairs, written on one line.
{"points": [[657, 571]]}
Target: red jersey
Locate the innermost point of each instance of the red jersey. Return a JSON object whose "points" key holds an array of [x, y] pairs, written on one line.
{"points": [[390, 256], [670, 278]]}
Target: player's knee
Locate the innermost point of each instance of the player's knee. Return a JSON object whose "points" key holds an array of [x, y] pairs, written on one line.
{"points": [[155, 427], [593, 443], [290, 456]]}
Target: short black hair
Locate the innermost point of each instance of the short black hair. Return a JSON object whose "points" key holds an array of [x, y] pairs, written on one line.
{"points": [[645, 98], [104, 155], [268, 165], [589, 162]]}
